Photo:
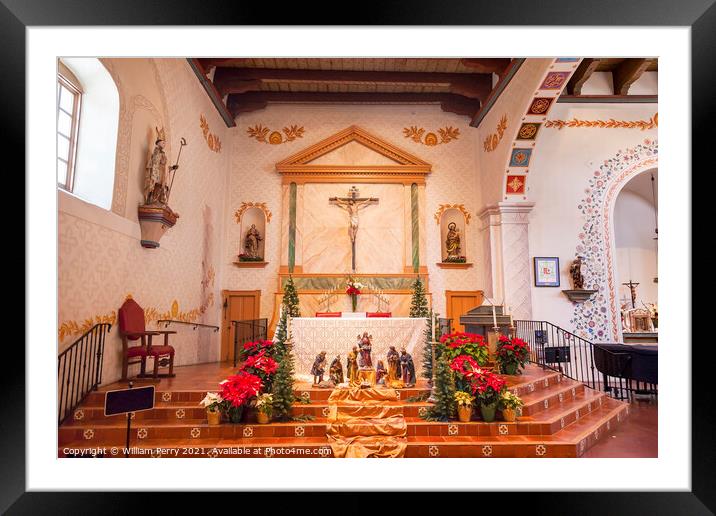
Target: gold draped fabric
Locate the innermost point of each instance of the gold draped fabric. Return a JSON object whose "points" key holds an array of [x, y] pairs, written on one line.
{"points": [[366, 423]]}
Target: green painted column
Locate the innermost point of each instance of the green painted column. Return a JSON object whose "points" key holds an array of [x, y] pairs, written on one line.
{"points": [[415, 226], [293, 188]]}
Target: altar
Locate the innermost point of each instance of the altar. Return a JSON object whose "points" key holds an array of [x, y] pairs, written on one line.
{"points": [[337, 336]]}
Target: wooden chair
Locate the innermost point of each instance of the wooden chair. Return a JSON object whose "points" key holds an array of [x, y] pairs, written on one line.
{"points": [[131, 328]]}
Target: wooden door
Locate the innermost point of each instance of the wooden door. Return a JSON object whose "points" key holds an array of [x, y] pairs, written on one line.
{"points": [[458, 302], [238, 305]]}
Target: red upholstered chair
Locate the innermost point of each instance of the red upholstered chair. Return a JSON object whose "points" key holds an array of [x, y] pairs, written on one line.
{"points": [[132, 328], [379, 314], [328, 314]]}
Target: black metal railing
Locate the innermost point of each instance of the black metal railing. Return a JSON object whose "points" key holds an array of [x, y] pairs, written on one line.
{"points": [[555, 348], [249, 330], [79, 369], [167, 322]]}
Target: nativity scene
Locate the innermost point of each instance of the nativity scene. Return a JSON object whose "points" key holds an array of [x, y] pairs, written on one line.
{"points": [[375, 257]]}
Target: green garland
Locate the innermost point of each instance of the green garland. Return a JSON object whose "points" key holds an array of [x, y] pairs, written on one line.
{"points": [[282, 389]]}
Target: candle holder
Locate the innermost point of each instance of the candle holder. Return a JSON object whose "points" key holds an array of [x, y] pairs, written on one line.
{"points": [[493, 336]]}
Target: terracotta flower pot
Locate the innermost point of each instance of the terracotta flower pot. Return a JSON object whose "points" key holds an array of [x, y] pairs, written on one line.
{"points": [[509, 414], [464, 413], [213, 416], [262, 418]]}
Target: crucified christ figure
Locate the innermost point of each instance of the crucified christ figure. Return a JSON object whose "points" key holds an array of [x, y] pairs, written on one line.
{"points": [[352, 204]]}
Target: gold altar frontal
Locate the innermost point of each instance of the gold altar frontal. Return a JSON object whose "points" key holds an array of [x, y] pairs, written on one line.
{"points": [[366, 375]]}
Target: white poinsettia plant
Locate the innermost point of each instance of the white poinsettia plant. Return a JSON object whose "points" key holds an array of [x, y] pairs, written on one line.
{"points": [[212, 401]]}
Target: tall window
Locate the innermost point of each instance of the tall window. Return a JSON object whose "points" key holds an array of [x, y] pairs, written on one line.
{"points": [[69, 99]]}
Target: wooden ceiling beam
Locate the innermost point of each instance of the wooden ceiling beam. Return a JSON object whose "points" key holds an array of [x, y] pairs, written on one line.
{"points": [[487, 65], [627, 73], [241, 80], [255, 100], [583, 72]]}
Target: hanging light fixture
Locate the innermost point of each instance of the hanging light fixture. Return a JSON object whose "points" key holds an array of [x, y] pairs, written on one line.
{"points": [[656, 225]]}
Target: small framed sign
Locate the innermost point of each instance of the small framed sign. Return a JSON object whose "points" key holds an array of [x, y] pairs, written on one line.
{"points": [[546, 271]]}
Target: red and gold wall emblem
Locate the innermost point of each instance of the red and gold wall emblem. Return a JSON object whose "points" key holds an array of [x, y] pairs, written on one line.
{"points": [[444, 135], [266, 135], [515, 185], [540, 105]]}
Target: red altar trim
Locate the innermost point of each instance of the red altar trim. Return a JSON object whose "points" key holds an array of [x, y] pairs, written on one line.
{"points": [[379, 314], [328, 314]]}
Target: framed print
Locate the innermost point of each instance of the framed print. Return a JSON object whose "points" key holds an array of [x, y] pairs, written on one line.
{"points": [[351, 147], [546, 271]]}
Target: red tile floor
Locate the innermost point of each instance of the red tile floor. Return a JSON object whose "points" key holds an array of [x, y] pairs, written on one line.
{"points": [[636, 437]]}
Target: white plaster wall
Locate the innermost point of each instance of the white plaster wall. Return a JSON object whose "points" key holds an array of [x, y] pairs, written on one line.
{"points": [[635, 247], [563, 163]]}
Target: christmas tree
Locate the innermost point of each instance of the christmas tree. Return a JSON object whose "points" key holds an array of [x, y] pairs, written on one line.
{"points": [[428, 347], [290, 298], [444, 407], [282, 389], [419, 302]]}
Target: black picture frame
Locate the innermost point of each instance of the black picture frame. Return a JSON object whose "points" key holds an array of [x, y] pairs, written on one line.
{"points": [[17, 15], [536, 261]]}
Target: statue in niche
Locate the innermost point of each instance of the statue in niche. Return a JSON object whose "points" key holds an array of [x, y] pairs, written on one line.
{"points": [[452, 242], [365, 346], [336, 371], [251, 242], [575, 270], [407, 368], [156, 181]]}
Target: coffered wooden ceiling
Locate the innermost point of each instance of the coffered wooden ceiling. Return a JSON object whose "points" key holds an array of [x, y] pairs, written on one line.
{"points": [[466, 86], [460, 86]]}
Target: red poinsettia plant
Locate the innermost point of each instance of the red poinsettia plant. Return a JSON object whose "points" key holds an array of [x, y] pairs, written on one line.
{"points": [[487, 387], [236, 390], [260, 346], [512, 354], [461, 343], [263, 366], [466, 369]]}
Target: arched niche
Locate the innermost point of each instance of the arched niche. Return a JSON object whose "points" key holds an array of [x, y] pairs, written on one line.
{"points": [[456, 218], [252, 218]]}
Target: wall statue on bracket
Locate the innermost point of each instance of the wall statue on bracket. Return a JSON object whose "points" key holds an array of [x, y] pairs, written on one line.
{"points": [[155, 216]]}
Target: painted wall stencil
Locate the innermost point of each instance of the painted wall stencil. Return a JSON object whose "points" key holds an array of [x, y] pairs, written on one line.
{"points": [[418, 135], [520, 157], [515, 185], [211, 139], [540, 105], [265, 135], [555, 80], [642, 125], [528, 131], [493, 139]]}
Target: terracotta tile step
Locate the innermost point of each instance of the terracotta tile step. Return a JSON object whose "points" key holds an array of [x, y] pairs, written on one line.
{"points": [[541, 400], [596, 426], [526, 383]]}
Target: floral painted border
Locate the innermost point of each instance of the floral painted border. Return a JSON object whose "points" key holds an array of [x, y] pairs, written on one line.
{"points": [[596, 319]]}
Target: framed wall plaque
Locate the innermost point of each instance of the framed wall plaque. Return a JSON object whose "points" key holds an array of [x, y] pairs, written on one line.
{"points": [[546, 271]]}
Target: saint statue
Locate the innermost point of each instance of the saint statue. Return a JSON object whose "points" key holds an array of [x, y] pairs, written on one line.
{"points": [[393, 365], [156, 181], [319, 367], [336, 371], [365, 346], [352, 366], [251, 242], [452, 241], [407, 367], [575, 270]]}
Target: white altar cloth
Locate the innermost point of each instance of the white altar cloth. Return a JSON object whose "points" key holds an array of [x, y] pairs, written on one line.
{"points": [[338, 335]]}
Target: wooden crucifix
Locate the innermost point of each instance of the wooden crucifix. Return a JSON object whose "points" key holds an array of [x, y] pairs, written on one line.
{"points": [[632, 289], [352, 204]]}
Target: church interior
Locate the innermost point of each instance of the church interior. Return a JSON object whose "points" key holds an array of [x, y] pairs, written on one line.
{"points": [[357, 257]]}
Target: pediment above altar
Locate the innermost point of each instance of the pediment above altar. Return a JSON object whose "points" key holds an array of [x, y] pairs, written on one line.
{"points": [[353, 155]]}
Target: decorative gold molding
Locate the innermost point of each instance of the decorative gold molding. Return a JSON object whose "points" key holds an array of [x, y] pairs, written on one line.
{"points": [[494, 139], [265, 135], [642, 125], [444, 207], [246, 205], [416, 133], [151, 314], [211, 139]]}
